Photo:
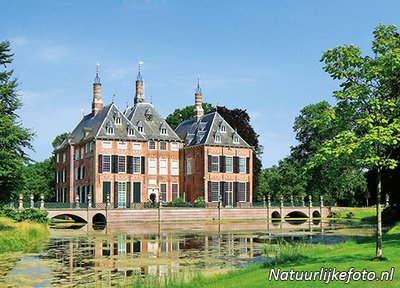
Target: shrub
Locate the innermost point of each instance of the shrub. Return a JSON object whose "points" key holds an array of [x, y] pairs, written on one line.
{"points": [[200, 202], [178, 200], [350, 215], [34, 215]]}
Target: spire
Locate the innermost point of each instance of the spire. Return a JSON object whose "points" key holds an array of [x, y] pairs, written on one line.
{"points": [[139, 97], [97, 103], [198, 110]]}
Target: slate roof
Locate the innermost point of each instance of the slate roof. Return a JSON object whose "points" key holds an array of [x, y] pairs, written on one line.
{"points": [[151, 129], [91, 127], [204, 131]]}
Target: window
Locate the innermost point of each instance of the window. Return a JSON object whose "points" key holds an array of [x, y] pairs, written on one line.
{"points": [[131, 132], [152, 145], [63, 176], [174, 167], [136, 165], [57, 176], [82, 173], [228, 164], [214, 191], [163, 166], [106, 144], [217, 138], [91, 146], [87, 148], [76, 173], [110, 131], [214, 164], [121, 145], [140, 128], [82, 152], [121, 194], [174, 146], [58, 157], [152, 166], [242, 192], [228, 193], [77, 154], [163, 192], [163, 145], [175, 191], [118, 120], [121, 164], [223, 128], [236, 139], [189, 166], [106, 163], [136, 146], [163, 131], [64, 157], [242, 165]]}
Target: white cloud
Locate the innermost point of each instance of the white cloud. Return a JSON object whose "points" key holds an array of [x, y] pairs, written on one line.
{"points": [[19, 41], [52, 53]]}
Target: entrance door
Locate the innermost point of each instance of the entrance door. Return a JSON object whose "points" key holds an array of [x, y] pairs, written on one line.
{"points": [[106, 190], [137, 192], [229, 194], [121, 194]]}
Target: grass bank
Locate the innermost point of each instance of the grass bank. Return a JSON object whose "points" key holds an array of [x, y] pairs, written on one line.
{"points": [[21, 236], [313, 258]]}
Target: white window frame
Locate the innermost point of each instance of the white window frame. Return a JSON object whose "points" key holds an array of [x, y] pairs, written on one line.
{"points": [[118, 120], [163, 167], [110, 131], [137, 146], [217, 138], [63, 176], [189, 166], [223, 128], [136, 164], [121, 163], [121, 192], [82, 152], [165, 185], [213, 183], [166, 145], [108, 162], [163, 131], [91, 146], [213, 163], [236, 139], [152, 166], [81, 173], [242, 168], [76, 173], [57, 177], [140, 129], [77, 154], [155, 145], [172, 191], [106, 144], [174, 146], [238, 191], [174, 167], [131, 132], [231, 164], [64, 157], [58, 157], [122, 145]]}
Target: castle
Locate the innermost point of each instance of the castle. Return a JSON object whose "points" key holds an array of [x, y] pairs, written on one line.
{"points": [[132, 157]]}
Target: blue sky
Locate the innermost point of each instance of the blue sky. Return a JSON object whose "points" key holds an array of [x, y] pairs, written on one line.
{"points": [[262, 56]]}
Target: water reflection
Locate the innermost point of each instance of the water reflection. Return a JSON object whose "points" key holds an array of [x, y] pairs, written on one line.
{"points": [[98, 256]]}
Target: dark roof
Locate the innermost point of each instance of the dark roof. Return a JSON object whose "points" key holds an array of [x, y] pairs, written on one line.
{"points": [[91, 127], [151, 129], [204, 131]]}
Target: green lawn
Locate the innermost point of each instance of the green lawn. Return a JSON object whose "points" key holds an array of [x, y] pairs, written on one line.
{"points": [[342, 257]]}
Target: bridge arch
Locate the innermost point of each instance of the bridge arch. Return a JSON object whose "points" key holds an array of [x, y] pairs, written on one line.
{"points": [[276, 215], [296, 214], [74, 217], [99, 218], [316, 214]]}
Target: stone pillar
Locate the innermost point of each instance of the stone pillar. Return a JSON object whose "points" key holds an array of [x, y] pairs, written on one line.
{"points": [[41, 201], [90, 200], [269, 200], [321, 201], [264, 201], [310, 200], [32, 203], [108, 201], [77, 201], [291, 201], [281, 200], [21, 202], [302, 201]]}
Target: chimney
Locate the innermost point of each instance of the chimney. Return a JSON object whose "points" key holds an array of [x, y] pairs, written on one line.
{"points": [[97, 103], [139, 97], [198, 109]]}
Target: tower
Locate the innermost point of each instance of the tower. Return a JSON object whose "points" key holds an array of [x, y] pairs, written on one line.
{"points": [[198, 110], [97, 103], [139, 97]]}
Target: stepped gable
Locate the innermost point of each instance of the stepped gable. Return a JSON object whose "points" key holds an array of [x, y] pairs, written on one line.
{"points": [[91, 127], [205, 130], [146, 116]]}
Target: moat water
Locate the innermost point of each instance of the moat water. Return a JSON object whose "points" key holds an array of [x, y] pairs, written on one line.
{"points": [[99, 256]]}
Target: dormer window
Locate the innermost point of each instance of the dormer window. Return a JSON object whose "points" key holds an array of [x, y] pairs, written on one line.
{"points": [[163, 129], [118, 117], [223, 127], [110, 128], [217, 137], [131, 130], [140, 126], [235, 138]]}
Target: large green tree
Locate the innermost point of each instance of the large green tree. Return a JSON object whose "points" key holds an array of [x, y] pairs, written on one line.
{"points": [[180, 115], [14, 139], [368, 106]]}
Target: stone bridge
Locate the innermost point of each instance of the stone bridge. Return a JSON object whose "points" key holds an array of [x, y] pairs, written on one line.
{"points": [[92, 215]]}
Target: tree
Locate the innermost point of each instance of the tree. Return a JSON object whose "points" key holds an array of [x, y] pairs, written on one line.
{"points": [[368, 106], [180, 115], [59, 139], [240, 120], [14, 139]]}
